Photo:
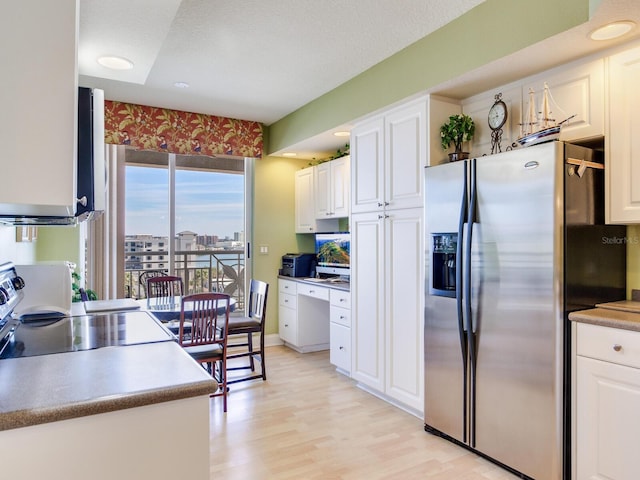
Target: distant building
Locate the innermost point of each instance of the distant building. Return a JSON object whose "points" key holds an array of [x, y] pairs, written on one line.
{"points": [[146, 252]]}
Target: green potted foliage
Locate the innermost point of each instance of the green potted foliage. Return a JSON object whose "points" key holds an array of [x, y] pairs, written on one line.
{"points": [[75, 286], [459, 129]]}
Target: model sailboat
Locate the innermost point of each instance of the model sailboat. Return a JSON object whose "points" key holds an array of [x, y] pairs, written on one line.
{"points": [[539, 127]]}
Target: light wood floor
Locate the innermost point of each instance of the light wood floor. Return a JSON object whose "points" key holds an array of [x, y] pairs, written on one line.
{"points": [[309, 422]]}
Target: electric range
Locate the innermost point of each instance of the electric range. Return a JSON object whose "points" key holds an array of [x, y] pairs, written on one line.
{"points": [[42, 335]]}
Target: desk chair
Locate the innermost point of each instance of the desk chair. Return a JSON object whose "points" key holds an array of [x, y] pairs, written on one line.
{"points": [[206, 341], [165, 286], [253, 322]]}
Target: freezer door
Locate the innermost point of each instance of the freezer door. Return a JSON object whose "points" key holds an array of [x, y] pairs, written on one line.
{"points": [[445, 362], [516, 267]]}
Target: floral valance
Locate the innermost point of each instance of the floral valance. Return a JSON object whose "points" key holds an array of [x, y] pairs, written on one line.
{"points": [[173, 131]]}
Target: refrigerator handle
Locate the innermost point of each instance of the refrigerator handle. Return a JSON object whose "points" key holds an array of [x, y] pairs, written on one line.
{"points": [[459, 287], [467, 299]]}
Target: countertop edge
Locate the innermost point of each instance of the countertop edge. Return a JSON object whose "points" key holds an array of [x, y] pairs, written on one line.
{"points": [[607, 317], [26, 418], [346, 287]]}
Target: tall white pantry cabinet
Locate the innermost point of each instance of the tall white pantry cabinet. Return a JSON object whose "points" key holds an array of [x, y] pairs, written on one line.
{"points": [[388, 154]]}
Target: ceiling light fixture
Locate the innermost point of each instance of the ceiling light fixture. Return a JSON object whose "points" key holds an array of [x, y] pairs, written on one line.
{"points": [[115, 63], [612, 30], [341, 134], [289, 154], [181, 85]]}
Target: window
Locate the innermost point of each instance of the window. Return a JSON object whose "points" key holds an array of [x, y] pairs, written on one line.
{"points": [[200, 204]]}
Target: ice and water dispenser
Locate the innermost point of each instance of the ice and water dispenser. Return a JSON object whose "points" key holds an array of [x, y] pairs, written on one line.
{"points": [[443, 264]]}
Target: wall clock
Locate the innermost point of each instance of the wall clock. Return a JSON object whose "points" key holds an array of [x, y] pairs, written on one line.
{"points": [[497, 118]]}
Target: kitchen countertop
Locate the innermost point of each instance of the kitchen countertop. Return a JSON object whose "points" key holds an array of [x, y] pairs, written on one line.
{"points": [[323, 282], [624, 314], [50, 388]]}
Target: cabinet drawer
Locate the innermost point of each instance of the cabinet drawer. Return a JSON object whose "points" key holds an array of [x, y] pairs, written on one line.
{"points": [[288, 300], [609, 344], [287, 286], [313, 291], [339, 315], [340, 298]]}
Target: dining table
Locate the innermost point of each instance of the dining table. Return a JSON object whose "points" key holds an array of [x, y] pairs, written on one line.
{"points": [[167, 309]]}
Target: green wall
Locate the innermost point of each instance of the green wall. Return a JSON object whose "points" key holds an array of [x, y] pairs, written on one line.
{"points": [[490, 31], [58, 243], [274, 225]]}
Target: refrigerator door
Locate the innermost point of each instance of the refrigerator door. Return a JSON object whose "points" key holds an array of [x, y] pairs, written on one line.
{"points": [[445, 356], [517, 303]]}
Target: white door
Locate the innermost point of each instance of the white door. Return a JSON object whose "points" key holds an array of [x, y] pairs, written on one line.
{"points": [[406, 155], [404, 281], [367, 299], [608, 421], [367, 166]]}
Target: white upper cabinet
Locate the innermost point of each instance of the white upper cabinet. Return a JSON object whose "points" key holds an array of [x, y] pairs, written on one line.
{"points": [[367, 166], [389, 152], [575, 90], [405, 155], [304, 193], [332, 184], [39, 107], [623, 139]]}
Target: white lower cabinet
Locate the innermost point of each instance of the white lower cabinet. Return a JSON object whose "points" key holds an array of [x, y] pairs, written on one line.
{"points": [[607, 403], [340, 330], [387, 283], [303, 316]]}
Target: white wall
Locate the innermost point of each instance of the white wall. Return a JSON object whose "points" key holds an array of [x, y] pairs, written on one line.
{"points": [[12, 251]]}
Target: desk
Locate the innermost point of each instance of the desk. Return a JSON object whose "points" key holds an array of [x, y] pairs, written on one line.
{"points": [[167, 309]]}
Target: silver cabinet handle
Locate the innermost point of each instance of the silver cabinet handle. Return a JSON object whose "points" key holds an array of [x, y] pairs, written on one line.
{"points": [[617, 347]]}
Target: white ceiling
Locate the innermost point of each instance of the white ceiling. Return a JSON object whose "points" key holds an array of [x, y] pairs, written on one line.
{"points": [[262, 59]]}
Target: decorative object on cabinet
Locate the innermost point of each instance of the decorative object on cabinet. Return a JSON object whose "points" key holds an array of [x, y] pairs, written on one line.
{"points": [[459, 129], [497, 118], [534, 129]]}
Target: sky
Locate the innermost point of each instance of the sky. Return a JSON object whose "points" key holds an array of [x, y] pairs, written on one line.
{"points": [[207, 203]]}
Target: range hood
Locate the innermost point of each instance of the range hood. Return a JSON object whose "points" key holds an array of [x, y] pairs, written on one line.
{"points": [[90, 173]]}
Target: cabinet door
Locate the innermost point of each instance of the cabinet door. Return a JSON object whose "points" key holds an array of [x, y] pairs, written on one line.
{"points": [[608, 421], [577, 90], [404, 282], [340, 186], [340, 350], [323, 204], [367, 299], [406, 155], [287, 325], [367, 166], [623, 141], [39, 107], [305, 200]]}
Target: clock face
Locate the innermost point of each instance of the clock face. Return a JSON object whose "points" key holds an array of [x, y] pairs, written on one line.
{"points": [[497, 115]]}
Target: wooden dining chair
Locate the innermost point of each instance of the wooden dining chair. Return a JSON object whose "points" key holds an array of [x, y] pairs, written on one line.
{"points": [[207, 315], [253, 322], [165, 286]]}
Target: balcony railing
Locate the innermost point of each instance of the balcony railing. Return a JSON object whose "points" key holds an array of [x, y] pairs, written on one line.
{"points": [[201, 271]]}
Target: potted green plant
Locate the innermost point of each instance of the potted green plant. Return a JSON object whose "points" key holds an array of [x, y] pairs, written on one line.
{"points": [[459, 129]]}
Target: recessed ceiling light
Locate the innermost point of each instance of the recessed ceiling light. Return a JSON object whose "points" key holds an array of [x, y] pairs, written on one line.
{"points": [[341, 134], [115, 63], [289, 154], [181, 85], [612, 30]]}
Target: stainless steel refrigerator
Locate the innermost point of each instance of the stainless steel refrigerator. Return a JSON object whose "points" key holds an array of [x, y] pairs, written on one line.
{"points": [[514, 242]]}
